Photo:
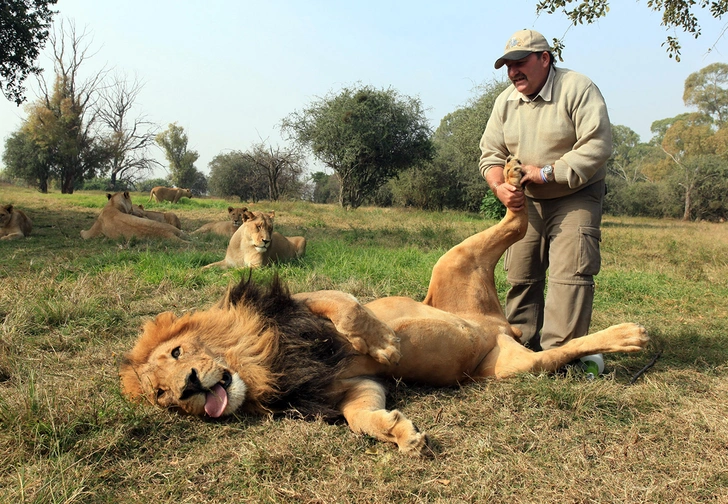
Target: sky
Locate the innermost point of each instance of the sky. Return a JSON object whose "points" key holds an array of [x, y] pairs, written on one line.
{"points": [[228, 71]]}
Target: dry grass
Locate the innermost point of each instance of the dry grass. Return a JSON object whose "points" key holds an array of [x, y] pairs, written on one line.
{"points": [[69, 309]]}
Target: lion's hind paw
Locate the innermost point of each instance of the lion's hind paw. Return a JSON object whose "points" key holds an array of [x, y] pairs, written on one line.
{"points": [[631, 337]]}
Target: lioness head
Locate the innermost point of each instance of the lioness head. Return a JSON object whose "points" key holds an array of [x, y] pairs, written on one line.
{"points": [[6, 213], [121, 201], [258, 228], [138, 211], [237, 215], [171, 367]]}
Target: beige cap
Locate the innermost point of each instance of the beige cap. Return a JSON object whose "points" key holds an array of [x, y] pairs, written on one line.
{"points": [[521, 44]]}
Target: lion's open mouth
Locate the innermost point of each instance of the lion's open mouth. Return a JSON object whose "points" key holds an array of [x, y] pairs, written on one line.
{"points": [[216, 399]]}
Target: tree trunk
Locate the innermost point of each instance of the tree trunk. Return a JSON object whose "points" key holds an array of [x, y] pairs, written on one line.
{"points": [[67, 185], [688, 204]]}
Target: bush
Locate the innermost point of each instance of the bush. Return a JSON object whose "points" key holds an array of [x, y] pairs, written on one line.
{"points": [[104, 184], [491, 207]]}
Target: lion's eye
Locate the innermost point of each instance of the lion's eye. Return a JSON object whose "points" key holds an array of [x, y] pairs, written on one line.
{"points": [[176, 352], [160, 393]]}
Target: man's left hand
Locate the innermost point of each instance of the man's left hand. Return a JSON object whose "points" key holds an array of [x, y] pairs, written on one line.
{"points": [[531, 174]]}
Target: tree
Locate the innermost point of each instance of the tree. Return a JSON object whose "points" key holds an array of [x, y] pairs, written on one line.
{"points": [[63, 120], [325, 187], [457, 142], [676, 14], [365, 135], [127, 138], [690, 144], [235, 174], [23, 33], [627, 155], [705, 91], [282, 168], [181, 161], [27, 160]]}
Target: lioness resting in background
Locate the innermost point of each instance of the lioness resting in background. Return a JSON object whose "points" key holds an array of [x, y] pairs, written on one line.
{"points": [[14, 223], [116, 221], [322, 353], [224, 228], [255, 244], [173, 194], [166, 217]]}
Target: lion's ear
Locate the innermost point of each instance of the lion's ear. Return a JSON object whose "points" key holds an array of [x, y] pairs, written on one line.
{"points": [[9, 208], [126, 195], [109, 196], [230, 209], [272, 214]]}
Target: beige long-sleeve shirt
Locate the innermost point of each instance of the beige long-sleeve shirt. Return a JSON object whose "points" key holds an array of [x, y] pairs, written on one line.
{"points": [[566, 125]]}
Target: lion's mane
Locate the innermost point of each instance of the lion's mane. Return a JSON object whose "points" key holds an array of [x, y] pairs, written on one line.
{"points": [[288, 357]]}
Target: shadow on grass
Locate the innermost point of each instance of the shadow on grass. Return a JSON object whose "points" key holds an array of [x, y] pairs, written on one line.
{"points": [[689, 350]]}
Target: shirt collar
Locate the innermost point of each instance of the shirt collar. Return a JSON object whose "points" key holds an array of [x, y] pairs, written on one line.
{"points": [[545, 92]]}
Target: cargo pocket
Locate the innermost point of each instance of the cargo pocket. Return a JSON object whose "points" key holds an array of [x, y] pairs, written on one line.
{"points": [[507, 259], [590, 260]]}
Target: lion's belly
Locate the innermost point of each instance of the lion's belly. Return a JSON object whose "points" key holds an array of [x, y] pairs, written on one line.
{"points": [[438, 348]]}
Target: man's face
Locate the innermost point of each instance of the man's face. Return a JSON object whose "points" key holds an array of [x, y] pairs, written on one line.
{"points": [[529, 74]]}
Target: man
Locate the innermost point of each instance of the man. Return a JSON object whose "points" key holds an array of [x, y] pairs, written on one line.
{"points": [[555, 121]]}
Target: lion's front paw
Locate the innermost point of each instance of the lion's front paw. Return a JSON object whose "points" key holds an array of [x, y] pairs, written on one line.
{"points": [[416, 446], [386, 349], [382, 345]]}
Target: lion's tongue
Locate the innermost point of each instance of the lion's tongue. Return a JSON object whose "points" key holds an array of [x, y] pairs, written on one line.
{"points": [[216, 401]]}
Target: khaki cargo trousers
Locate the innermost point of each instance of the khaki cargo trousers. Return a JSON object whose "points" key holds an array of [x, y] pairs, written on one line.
{"points": [[563, 237]]}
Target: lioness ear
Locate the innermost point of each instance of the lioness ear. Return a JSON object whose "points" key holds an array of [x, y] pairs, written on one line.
{"points": [[109, 196], [9, 208], [272, 214], [230, 209], [126, 195]]}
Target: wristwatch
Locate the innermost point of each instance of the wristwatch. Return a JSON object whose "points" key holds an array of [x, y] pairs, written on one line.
{"points": [[547, 172]]}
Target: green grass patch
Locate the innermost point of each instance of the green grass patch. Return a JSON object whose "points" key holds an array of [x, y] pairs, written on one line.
{"points": [[70, 308]]}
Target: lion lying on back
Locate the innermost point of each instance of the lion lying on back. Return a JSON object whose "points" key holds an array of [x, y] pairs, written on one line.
{"points": [[116, 221], [173, 194], [14, 223], [255, 244], [263, 350], [225, 228]]}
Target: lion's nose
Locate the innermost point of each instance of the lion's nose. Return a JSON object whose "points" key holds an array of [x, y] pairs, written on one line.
{"points": [[192, 386]]}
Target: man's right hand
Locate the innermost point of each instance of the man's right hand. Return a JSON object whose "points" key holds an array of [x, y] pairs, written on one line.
{"points": [[511, 197]]}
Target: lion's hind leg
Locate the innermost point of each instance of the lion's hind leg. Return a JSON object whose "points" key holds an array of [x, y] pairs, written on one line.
{"points": [[510, 357], [363, 408]]}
